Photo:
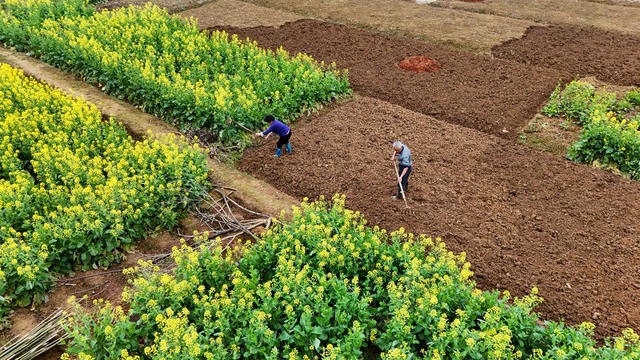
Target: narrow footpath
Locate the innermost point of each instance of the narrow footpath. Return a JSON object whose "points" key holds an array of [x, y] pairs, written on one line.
{"points": [[254, 193]]}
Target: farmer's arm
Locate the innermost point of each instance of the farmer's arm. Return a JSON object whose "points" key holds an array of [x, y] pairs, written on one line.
{"points": [[266, 132], [393, 156], [404, 171], [270, 129]]}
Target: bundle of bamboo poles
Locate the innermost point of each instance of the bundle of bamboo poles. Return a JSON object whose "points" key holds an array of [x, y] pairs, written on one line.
{"points": [[43, 337]]}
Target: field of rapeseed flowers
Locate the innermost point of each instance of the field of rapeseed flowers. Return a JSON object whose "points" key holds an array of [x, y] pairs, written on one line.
{"points": [[326, 286], [166, 65], [75, 187], [609, 136]]}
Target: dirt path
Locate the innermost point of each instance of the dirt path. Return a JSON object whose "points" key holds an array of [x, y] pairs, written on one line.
{"points": [[457, 28], [524, 217], [494, 96], [609, 56], [238, 13], [252, 192], [623, 19]]}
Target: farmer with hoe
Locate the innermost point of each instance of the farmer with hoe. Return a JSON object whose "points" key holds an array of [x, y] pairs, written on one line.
{"points": [[281, 130], [406, 165]]}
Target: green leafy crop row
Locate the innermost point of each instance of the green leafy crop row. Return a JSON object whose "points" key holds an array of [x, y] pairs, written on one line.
{"points": [[326, 286], [579, 100], [168, 67], [75, 189], [609, 136]]}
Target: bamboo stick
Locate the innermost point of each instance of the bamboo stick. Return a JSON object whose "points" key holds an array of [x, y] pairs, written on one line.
{"points": [[395, 165], [46, 335]]}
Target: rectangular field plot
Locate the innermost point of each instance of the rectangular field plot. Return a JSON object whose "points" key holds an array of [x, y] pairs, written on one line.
{"points": [[580, 51], [475, 91], [459, 28], [525, 218], [611, 17], [238, 13]]}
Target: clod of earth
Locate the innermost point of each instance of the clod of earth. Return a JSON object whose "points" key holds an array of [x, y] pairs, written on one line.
{"points": [[419, 64]]}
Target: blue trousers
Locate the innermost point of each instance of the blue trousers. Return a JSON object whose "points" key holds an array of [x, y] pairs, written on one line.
{"points": [[405, 178]]}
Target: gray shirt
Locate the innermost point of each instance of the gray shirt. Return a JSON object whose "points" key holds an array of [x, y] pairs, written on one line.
{"points": [[404, 156]]}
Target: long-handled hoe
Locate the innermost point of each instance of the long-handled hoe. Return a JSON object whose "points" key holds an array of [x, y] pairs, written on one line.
{"points": [[242, 126], [395, 165]]}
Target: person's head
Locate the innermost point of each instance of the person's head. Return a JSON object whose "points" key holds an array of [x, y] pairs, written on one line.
{"points": [[397, 146], [269, 118]]}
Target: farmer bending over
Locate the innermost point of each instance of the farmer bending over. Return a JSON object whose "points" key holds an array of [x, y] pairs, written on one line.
{"points": [[405, 166], [280, 129]]}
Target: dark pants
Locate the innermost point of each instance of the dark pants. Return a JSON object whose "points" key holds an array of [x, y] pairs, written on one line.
{"points": [[283, 140], [405, 178]]}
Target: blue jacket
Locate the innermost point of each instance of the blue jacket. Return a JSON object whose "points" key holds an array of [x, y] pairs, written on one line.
{"points": [[404, 157], [278, 128]]}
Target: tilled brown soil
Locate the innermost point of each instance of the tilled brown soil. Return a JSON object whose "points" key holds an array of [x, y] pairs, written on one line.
{"points": [[491, 95], [524, 217], [611, 57]]}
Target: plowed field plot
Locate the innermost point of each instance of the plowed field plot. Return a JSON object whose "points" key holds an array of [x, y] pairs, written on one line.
{"points": [[475, 91], [609, 56], [525, 218]]}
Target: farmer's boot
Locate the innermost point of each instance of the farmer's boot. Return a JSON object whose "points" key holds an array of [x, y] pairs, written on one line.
{"points": [[278, 152], [288, 146]]}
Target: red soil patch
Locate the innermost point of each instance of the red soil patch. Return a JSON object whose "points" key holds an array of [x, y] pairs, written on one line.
{"points": [[495, 96], [609, 56], [419, 64], [525, 218]]}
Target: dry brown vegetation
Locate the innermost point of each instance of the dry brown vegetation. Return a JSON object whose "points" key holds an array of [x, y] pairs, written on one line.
{"points": [[618, 18], [238, 13], [457, 28], [170, 5]]}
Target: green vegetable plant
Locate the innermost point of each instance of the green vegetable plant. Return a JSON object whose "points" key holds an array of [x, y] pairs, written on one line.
{"points": [[167, 66], [75, 189], [609, 136], [326, 286]]}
